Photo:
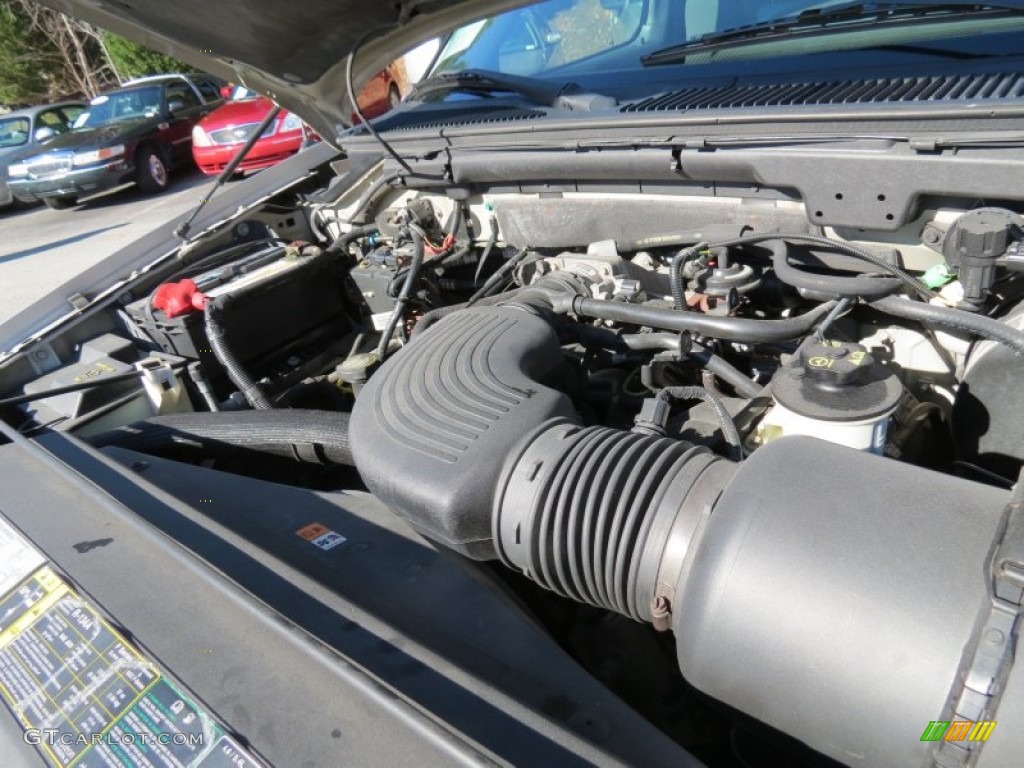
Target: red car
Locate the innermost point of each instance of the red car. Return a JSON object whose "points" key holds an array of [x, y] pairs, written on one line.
{"points": [[217, 137], [384, 91]]}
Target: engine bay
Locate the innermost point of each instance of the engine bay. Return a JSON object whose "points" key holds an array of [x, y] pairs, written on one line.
{"points": [[745, 302], [607, 400]]}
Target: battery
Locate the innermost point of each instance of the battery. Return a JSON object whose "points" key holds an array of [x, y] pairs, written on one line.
{"points": [[285, 308]]}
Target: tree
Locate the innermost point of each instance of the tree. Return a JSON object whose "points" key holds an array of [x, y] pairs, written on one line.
{"points": [[133, 60], [47, 56], [23, 79], [68, 52]]}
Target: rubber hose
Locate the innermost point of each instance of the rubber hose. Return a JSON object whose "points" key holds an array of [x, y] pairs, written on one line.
{"points": [[836, 245], [729, 431], [492, 240], [370, 195], [497, 277], [714, 232], [730, 328], [216, 335], [342, 243], [722, 368], [412, 279], [833, 285], [675, 273], [454, 222], [457, 258], [641, 342], [955, 319], [726, 371], [319, 437]]}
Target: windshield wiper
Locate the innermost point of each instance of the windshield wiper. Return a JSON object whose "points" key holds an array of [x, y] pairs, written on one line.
{"points": [[536, 91], [818, 21]]}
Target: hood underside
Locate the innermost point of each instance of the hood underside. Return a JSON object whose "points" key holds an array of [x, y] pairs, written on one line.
{"points": [[293, 52]]}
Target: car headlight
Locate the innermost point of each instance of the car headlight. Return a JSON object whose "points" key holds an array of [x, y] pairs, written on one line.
{"points": [[290, 123], [98, 155], [200, 138], [18, 170]]}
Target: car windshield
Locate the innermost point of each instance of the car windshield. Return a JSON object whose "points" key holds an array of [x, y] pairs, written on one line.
{"points": [[121, 105], [14, 131], [241, 93], [579, 37]]}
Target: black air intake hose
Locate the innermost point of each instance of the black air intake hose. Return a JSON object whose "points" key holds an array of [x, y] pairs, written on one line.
{"points": [[587, 513], [432, 427], [319, 437], [807, 569]]}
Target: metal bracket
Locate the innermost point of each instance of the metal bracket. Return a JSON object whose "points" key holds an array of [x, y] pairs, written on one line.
{"points": [[78, 301]]}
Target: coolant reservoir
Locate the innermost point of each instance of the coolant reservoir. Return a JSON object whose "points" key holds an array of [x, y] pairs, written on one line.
{"points": [[834, 391]]}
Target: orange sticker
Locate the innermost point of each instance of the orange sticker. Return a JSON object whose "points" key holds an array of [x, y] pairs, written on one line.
{"points": [[313, 531]]}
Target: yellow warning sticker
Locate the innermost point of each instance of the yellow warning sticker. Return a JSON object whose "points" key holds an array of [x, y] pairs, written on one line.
{"points": [[64, 671], [86, 698]]}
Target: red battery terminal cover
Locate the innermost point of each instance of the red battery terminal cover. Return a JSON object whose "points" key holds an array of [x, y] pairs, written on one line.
{"points": [[177, 299]]}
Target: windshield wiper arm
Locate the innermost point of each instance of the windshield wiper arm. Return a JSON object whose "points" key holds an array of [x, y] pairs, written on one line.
{"points": [[817, 21], [537, 91]]}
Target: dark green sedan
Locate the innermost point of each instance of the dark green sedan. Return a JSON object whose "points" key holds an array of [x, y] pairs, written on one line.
{"points": [[135, 134]]}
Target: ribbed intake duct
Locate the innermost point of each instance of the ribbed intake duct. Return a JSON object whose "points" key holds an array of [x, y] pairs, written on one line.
{"points": [[588, 513]]}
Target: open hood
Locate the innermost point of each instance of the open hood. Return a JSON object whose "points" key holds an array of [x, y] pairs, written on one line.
{"points": [[293, 52]]}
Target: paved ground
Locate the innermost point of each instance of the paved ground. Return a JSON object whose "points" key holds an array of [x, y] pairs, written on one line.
{"points": [[41, 248]]}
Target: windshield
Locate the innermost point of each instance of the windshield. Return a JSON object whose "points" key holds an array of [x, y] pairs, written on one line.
{"points": [[14, 131], [580, 37], [121, 105], [241, 93]]}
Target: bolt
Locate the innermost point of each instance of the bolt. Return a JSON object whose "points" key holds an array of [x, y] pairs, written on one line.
{"points": [[932, 236], [995, 637], [40, 354], [139, 466]]}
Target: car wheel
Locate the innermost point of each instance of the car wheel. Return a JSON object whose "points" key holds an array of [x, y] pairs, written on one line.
{"points": [[151, 171], [60, 203], [394, 97]]}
